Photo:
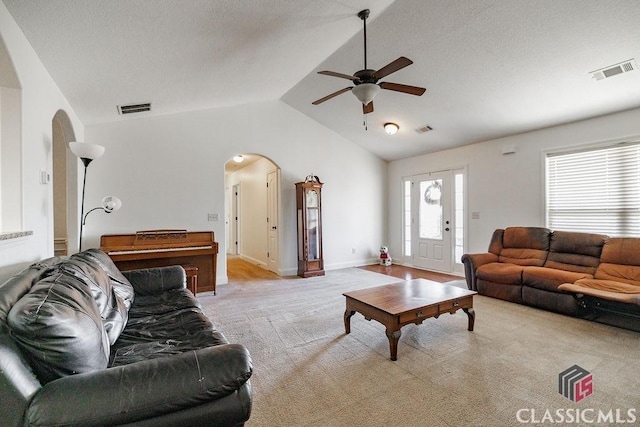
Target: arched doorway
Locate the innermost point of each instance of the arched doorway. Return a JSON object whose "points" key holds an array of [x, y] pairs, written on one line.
{"points": [[252, 210], [64, 186]]}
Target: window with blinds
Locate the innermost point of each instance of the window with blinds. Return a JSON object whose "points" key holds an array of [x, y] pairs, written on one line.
{"points": [[595, 191]]}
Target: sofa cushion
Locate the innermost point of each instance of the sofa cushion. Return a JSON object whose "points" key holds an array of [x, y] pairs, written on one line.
{"points": [[550, 279], [58, 326], [111, 305], [525, 245], [498, 272], [578, 252], [620, 261], [165, 324], [121, 286]]}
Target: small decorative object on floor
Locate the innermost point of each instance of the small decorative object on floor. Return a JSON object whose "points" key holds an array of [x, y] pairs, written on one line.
{"points": [[312, 178], [385, 258]]}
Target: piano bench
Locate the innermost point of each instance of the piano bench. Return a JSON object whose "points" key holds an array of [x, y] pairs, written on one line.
{"points": [[192, 277]]}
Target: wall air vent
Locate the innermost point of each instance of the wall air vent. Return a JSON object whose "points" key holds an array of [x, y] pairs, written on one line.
{"points": [[134, 108], [423, 129], [614, 70]]}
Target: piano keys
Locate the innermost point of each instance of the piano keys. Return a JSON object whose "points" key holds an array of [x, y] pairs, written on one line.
{"points": [[159, 248]]}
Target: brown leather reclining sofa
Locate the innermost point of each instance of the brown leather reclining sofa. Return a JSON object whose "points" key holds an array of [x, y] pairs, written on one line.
{"points": [[578, 274]]}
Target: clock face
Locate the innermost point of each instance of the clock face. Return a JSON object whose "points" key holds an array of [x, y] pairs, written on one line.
{"points": [[312, 199]]}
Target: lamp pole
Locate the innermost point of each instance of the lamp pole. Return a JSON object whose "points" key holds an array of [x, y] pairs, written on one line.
{"points": [[86, 162], [86, 152]]}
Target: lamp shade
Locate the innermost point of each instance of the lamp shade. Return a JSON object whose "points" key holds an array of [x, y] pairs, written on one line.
{"points": [[111, 204], [86, 150], [365, 92]]}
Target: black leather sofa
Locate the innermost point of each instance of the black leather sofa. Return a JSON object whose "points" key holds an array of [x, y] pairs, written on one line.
{"points": [[84, 344]]}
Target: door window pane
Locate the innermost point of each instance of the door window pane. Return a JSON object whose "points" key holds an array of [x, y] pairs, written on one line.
{"points": [[431, 209], [407, 218], [459, 212]]}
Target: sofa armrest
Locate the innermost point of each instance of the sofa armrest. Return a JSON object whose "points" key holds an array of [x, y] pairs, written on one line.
{"points": [[472, 262], [142, 390], [153, 281]]}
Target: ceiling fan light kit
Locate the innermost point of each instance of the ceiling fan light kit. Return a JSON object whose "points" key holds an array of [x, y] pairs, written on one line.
{"points": [[365, 92], [365, 81]]}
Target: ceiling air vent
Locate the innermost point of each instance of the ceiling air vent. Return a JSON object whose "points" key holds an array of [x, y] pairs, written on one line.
{"points": [[614, 70], [423, 129], [134, 108]]}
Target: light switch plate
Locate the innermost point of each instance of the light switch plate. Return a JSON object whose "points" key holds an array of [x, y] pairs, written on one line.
{"points": [[214, 217], [44, 177]]}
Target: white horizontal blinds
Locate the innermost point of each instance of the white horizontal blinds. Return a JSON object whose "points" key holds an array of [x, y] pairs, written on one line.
{"points": [[596, 191]]}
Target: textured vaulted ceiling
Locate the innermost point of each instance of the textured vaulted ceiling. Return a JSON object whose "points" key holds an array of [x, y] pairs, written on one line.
{"points": [[491, 68]]}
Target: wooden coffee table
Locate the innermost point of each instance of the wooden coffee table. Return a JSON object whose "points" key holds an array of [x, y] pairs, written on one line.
{"points": [[411, 301]]}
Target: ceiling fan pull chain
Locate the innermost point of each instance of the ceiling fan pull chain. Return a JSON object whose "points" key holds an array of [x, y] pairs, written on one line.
{"points": [[364, 122]]}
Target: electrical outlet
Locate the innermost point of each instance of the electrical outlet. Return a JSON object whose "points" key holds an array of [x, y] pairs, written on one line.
{"points": [[213, 217]]}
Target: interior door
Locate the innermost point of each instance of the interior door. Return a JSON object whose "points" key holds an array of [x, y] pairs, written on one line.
{"points": [[272, 220], [432, 229], [234, 247]]}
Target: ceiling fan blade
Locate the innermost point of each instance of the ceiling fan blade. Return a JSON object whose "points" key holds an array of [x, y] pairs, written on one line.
{"points": [[366, 109], [334, 74], [328, 97], [412, 90], [392, 67]]}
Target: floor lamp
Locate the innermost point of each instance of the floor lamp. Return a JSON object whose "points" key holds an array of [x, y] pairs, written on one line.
{"points": [[86, 152]]}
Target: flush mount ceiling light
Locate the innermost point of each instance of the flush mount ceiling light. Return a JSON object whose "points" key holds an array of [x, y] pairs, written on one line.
{"points": [[238, 159], [391, 128]]}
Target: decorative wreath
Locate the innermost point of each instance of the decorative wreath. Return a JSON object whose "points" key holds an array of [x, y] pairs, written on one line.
{"points": [[433, 193]]}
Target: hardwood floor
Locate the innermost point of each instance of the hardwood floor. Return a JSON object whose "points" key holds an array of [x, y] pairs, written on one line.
{"points": [[408, 273], [240, 270]]}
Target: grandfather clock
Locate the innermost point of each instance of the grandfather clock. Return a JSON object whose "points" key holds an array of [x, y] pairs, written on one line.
{"points": [[309, 211]]}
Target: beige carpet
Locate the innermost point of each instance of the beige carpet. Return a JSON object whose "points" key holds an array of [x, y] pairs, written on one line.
{"points": [[307, 372]]}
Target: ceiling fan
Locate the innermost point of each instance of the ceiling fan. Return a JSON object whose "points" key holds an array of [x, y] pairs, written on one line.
{"points": [[365, 82]]}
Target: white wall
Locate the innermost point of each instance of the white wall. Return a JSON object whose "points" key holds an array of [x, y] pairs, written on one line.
{"points": [[169, 173], [41, 99], [507, 190]]}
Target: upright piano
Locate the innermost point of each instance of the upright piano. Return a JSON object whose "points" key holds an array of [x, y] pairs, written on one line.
{"points": [[159, 248]]}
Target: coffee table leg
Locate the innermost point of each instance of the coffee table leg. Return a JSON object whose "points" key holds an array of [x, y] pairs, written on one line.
{"points": [[472, 317], [347, 321], [393, 336]]}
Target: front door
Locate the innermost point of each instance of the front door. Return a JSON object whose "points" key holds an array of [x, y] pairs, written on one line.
{"points": [[432, 230]]}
